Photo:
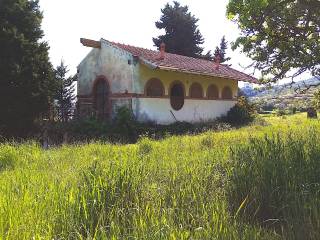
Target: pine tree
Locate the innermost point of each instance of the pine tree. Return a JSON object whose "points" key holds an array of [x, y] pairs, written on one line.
{"points": [[65, 95], [221, 50], [26, 76], [182, 35], [217, 52], [208, 56]]}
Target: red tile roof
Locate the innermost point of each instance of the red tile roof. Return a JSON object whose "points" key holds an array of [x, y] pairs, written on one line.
{"points": [[175, 62]]}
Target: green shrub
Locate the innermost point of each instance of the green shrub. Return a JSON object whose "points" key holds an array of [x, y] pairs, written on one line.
{"points": [[293, 110], [121, 129], [125, 125], [316, 100], [312, 113], [124, 117], [89, 129], [179, 128], [280, 112], [242, 113], [260, 121]]}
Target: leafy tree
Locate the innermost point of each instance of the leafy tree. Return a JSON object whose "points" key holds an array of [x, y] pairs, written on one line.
{"points": [[316, 100], [26, 77], [281, 37], [65, 96], [182, 35]]}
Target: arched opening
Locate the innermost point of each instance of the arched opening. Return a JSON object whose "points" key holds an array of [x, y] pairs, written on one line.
{"points": [[213, 92], [177, 95], [196, 91], [227, 93], [154, 88], [101, 98]]}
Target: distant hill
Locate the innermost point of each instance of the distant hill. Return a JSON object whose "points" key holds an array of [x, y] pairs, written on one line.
{"points": [[283, 95]]}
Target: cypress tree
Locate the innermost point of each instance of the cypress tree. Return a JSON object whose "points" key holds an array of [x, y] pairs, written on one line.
{"points": [[182, 35], [26, 77]]}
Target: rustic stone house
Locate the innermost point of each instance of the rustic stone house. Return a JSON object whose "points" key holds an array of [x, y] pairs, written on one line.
{"points": [[157, 86]]}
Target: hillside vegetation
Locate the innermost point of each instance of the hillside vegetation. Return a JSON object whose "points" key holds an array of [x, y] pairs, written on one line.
{"points": [[286, 96], [257, 182]]}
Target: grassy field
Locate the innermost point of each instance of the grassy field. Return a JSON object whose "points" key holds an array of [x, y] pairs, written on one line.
{"points": [[256, 182]]}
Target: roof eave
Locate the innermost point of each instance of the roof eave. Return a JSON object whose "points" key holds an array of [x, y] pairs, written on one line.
{"points": [[148, 63], [205, 74]]}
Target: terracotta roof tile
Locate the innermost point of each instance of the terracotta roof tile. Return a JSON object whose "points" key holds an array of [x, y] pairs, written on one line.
{"points": [[181, 63]]}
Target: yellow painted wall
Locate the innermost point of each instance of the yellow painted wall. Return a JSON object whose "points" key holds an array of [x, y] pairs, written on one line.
{"points": [[167, 77]]}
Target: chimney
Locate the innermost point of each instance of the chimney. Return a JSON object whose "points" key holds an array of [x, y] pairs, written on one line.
{"points": [[217, 60], [162, 50]]}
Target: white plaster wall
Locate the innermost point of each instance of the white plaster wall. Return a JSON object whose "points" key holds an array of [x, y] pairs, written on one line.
{"points": [[158, 110], [111, 62], [88, 70]]}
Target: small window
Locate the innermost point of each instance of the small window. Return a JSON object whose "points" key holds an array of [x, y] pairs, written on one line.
{"points": [[177, 96], [227, 93], [154, 88], [213, 92], [196, 91]]}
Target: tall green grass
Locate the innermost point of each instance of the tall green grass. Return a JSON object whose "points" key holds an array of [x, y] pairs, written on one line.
{"points": [[260, 182], [277, 181]]}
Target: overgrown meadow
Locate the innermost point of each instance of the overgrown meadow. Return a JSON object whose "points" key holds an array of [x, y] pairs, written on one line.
{"points": [[257, 182]]}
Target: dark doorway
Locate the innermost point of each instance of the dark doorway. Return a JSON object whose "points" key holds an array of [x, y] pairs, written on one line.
{"points": [[177, 96], [101, 99]]}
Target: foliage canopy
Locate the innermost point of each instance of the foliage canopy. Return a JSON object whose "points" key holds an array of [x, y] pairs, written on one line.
{"points": [[281, 37]]}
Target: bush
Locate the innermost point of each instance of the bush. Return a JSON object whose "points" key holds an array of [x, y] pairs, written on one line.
{"points": [[90, 128], [260, 121], [123, 129], [280, 112], [293, 110], [312, 112], [125, 125], [242, 113], [316, 100], [77, 130]]}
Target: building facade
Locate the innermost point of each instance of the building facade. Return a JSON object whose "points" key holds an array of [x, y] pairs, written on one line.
{"points": [[157, 86]]}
